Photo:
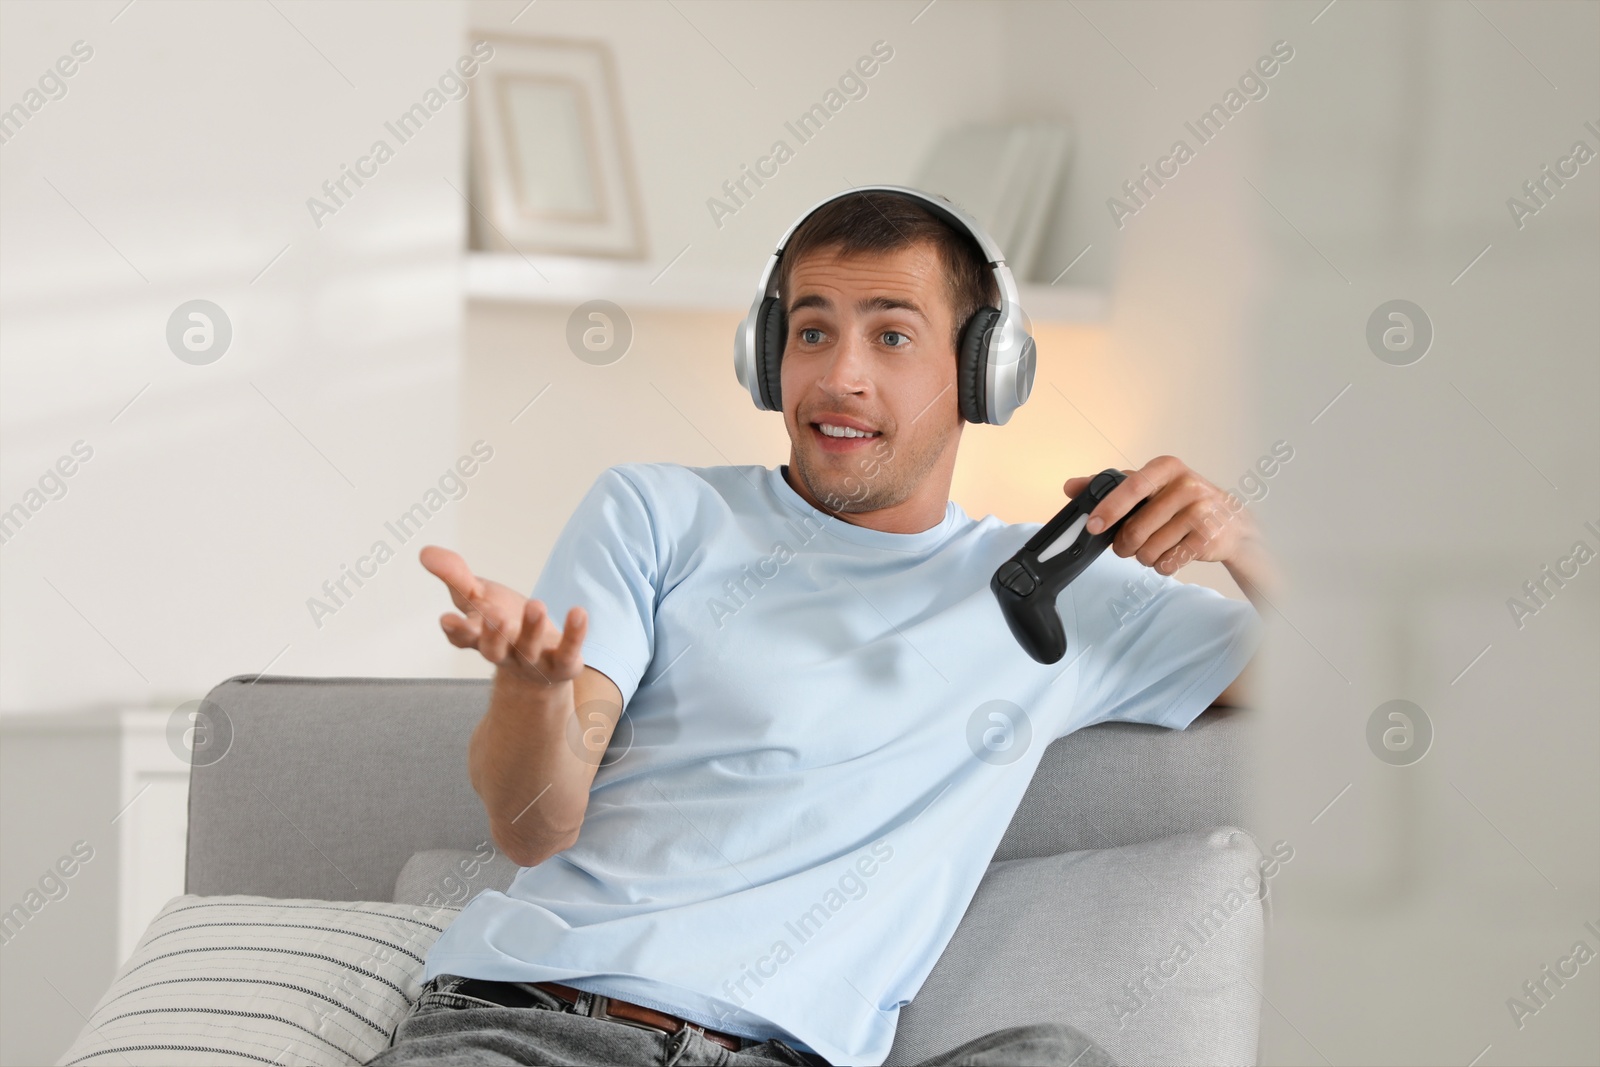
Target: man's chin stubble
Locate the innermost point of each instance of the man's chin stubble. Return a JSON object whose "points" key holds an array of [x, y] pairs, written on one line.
{"points": [[882, 491]]}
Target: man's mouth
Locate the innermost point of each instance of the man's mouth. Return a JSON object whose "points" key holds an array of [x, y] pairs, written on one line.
{"points": [[838, 437]]}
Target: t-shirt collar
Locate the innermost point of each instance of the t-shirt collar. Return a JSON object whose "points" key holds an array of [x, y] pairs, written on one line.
{"points": [[862, 535]]}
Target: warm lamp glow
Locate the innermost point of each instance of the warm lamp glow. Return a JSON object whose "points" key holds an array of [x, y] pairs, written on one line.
{"points": [[1015, 472]]}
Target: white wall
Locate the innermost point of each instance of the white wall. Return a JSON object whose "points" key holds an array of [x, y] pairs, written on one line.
{"points": [[224, 495], [177, 166]]}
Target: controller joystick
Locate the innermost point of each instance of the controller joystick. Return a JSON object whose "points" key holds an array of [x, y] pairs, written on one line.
{"points": [[1028, 583]]}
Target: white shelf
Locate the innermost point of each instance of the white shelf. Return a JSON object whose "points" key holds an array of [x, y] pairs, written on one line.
{"points": [[505, 277]]}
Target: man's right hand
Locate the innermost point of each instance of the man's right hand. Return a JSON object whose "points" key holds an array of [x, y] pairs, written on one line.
{"points": [[532, 757], [509, 630]]}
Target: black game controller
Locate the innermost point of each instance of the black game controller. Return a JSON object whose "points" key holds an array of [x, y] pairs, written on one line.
{"points": [[1028, 583]]}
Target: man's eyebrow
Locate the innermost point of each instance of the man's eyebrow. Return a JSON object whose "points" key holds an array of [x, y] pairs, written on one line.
{"points": [[890, 303], [871, 303], [811, 300]]}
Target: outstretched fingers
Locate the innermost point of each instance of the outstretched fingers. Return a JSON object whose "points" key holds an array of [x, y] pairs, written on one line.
{"points": [[530, 636], [453, 571], [567, 657], [499, 633], [463, 633]]}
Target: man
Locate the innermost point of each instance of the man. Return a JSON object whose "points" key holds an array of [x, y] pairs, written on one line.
{"points": [[791, 818]]}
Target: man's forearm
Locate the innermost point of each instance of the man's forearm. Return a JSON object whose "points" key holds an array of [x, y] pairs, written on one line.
{"points": [[534, 786], [1252, 570]]}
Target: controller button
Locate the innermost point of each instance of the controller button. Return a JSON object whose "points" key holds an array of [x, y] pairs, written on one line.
{"points": [[1102, 484], [1016, 578]]}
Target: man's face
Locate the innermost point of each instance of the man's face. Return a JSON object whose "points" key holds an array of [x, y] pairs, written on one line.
{"points": [[869, 346]]}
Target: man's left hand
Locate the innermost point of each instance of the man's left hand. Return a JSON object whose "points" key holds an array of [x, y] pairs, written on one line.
{"points": [[1185, 517]]}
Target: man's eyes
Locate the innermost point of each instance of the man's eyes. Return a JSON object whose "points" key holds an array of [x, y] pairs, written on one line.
{"points": [[812, 335]]}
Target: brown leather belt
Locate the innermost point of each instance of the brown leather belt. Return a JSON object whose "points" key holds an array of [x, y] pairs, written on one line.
{"points": [[601, 1007]]}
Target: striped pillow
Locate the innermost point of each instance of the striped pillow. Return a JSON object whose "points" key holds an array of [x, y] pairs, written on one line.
{"points": [[239, 979]]}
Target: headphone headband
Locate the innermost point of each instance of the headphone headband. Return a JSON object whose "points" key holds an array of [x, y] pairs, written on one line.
{"points": [[944, 208], [996, 353]]}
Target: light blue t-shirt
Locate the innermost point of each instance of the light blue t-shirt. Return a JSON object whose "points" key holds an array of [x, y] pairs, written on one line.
{"points": [[827, 730]]}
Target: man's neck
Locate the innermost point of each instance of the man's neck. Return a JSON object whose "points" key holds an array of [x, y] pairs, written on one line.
{"points": [[910, 516]]}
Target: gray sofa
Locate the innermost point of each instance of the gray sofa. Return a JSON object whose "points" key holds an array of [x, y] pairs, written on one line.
{"points": [[331, 785]]}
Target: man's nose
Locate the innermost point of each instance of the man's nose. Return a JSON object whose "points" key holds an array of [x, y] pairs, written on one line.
{"points": [[847, 366]]}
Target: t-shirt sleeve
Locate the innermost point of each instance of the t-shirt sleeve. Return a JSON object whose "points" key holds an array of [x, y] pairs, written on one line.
{"points": [[606, 562], [1154, 650]]}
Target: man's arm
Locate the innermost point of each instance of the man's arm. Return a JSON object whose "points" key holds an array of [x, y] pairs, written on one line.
{"points": [[531, 759], [1187, 518], [1251, 568]]}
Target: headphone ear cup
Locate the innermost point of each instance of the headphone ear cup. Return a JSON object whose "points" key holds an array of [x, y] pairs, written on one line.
{"points": [[971, 363], [772, 331]]}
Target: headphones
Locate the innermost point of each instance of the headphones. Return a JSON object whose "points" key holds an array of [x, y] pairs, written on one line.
{"points": [[994, 359]]}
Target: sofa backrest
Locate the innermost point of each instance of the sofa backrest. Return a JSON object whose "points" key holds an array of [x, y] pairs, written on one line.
{"points": [[329, 785]]}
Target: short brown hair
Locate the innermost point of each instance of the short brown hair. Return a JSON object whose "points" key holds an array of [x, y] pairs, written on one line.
{"points": [[879, 222]]}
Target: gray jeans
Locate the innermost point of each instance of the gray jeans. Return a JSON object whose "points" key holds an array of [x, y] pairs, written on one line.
{"points": [[445, 1027]]}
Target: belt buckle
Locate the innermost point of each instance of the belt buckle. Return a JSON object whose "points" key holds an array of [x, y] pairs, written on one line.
{"points": [[600, 1008]]}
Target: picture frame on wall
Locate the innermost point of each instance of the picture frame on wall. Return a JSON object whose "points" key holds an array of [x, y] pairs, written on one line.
{"points": [[552, 168]]}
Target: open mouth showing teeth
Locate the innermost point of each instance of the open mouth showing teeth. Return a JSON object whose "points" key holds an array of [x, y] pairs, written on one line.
{"points": [[829, 430]]}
